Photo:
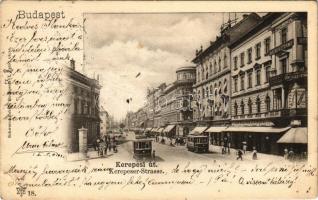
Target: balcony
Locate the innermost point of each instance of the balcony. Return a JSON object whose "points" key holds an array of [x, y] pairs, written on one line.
{"points": [[185, 81], [287, 77], [208, 118], [282, 47]]}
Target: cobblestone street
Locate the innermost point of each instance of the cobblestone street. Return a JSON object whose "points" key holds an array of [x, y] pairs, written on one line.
{"points": [[168, 153]]}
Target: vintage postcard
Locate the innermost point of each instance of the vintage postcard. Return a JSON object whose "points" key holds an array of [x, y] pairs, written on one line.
{"points": [[158, 100]]}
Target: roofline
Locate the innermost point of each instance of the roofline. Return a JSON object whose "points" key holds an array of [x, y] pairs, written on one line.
{"points": [[266, 21]]}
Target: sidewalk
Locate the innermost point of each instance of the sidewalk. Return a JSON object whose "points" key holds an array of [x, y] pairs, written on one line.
{"points": [[247, 155], [91, 154]]}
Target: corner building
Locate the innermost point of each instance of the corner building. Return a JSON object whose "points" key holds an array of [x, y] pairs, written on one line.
{"points": [[85, 107], [269, 82], [175, 104], [212, 88]]}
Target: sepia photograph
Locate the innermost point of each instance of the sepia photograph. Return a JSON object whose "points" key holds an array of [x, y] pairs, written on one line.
{"points": [[192, 86], [158, 100]]}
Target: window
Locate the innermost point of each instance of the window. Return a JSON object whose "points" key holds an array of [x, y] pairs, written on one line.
{"points": [[258, 51], [207, 91], [75, 106], [284, 35], [283, 64], [225, 61], [225, 86], [198, 76], [267, 73], [235, 62], [211, 90], [242, 107], [235, 84], [202, 73], [242, 82], [215, 66], [267, 45], [242, 59], [258, 105], [206, 71], [249, 76], [258, 77], [249, 106], [219, 64], [203, 93], [268, 103], [249, 55], [82, 107], [235, 108], [210, 69]]}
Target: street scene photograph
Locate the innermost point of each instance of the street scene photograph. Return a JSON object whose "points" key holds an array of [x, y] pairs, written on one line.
{"points": [[168, 87]]}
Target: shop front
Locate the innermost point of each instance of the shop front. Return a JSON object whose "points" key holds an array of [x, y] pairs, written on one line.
{"points": [[263, 139]]}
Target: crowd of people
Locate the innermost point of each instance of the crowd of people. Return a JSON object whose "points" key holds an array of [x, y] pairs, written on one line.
{"points": [[105, 144]]}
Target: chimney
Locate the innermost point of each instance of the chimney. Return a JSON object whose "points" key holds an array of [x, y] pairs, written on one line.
{"points": [[72, 63]]}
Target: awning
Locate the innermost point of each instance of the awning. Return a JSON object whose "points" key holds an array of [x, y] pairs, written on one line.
{"points": [[256, 129], [216, 129], [141, 123], [148, 129], [198, 130], [168, 128], [154, 130], [159, 130], [295, 136]]}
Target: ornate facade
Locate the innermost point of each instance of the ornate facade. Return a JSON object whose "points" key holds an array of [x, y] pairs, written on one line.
{"points": [[85, 107], [269, 80], [212, 88]]}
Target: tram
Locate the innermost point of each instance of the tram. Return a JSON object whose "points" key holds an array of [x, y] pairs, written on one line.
{"points": [[198, 143], [142, 147]]}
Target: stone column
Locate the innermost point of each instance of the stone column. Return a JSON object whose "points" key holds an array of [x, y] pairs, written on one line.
{"points": [[82, 137]]}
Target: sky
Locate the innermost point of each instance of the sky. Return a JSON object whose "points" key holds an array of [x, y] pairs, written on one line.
{"points": [[120, 46]]}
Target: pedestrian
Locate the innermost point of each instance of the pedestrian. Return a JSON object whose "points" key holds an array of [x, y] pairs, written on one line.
{"points": [[244, 147], [291, 154], [114, 148], [239, 155], [96, 144], [105, 149], [286, 153], [228, 147], [109, 146], [154, 155], [254, 154]]}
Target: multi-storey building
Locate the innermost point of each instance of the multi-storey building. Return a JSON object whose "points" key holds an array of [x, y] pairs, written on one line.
{"points": [[212, 87], [104, 121], [184, 97], [85, 107], [158, 96], [150, 108], [268, 81], [175, 103], [168, 107]]}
